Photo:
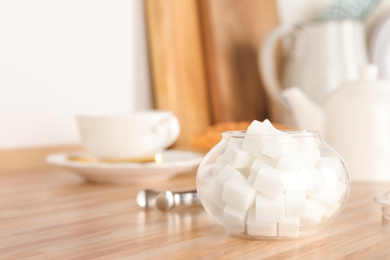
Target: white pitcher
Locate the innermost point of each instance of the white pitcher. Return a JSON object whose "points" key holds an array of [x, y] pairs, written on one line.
{"points": [[317, 57], [355, 121]]}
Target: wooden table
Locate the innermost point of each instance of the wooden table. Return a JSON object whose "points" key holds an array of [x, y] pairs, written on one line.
{"points": [[53, 214]]}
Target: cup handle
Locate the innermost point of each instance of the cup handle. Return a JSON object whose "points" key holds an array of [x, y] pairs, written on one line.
{"points": [[173, 131], [267, 65]]}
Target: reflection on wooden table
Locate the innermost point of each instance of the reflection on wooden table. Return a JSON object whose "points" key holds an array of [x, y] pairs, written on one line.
{"points": [[53, 214]]}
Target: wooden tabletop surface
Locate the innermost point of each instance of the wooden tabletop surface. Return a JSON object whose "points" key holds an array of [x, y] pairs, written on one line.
{"points": [[54, 214]]}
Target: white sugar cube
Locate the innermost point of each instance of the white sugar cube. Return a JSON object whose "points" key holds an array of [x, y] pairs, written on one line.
{"points": [[295, 200], [256, 127], [270, 209], [269, 181], [218, 165], [227, 173], [252, 178], [332, 197], [252, 144], [312, 178], [329, 177], [254, 138], [213, 192], [270, 129], [330, 162], [235, 218], [237, 158], [314, 212], [307, 142], [214, 210], [238, 193], [275, 147], [288, 177], [257, 228], [265, 127], [304, 175], [260, 161], [289, 162], [291, 146], [245, 171], [206, 177], [289, 227], [310, 155]]}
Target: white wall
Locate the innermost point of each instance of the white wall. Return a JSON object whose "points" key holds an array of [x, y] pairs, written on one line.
{"points": [[61, 57]]}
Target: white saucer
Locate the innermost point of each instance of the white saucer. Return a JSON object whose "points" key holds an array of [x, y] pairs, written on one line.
{"points": [[174, 162]]}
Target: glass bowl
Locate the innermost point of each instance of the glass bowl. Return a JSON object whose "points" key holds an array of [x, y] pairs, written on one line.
{"points": [[272, 186]]}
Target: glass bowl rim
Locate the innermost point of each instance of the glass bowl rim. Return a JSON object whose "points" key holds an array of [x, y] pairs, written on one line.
{"points": [[291, 133]]}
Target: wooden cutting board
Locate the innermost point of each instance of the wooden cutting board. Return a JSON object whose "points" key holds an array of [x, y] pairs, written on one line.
{"points": [[233, 31], [177, 63], [203, 57]]}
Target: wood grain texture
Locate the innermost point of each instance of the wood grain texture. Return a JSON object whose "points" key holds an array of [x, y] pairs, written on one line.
{"points": [[177, 63], [54, 214], [16, 160], [233, 31]]}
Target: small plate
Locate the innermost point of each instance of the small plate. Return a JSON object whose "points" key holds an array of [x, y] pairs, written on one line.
{"points": [[174, 162]]}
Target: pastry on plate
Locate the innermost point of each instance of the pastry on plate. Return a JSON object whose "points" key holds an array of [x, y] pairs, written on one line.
{"points": [[207, 139]]}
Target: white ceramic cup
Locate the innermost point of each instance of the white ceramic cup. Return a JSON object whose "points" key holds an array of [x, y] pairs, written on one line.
{"points": [[128, 135]]}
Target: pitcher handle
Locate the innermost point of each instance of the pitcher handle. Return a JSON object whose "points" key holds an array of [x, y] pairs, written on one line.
{"points": [[267, 64]]}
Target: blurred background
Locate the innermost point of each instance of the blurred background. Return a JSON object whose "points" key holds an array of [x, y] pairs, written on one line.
{"points": [[198, 58]]}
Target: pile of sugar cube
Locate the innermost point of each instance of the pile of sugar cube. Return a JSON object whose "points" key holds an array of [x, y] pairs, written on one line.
{"points": [[270, 184]]}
